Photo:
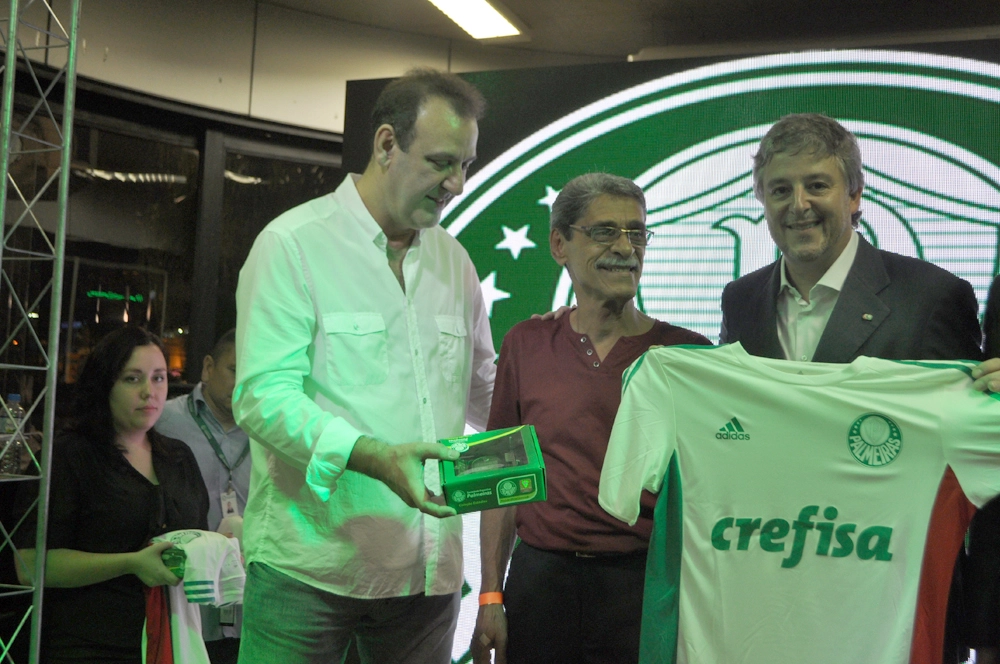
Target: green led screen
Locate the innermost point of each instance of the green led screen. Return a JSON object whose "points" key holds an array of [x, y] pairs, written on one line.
{"points": [[928, 124], [929, 128]]}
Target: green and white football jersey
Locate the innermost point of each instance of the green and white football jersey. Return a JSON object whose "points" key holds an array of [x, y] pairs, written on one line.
{"points": [[800, 503]]}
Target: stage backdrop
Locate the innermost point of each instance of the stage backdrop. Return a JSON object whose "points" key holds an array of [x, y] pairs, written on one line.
{"points": [[927, 119]]}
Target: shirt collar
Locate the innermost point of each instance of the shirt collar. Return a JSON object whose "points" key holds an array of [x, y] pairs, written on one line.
{"points": [[198, 395], [351, 199], [836, 275], [201, 406]]}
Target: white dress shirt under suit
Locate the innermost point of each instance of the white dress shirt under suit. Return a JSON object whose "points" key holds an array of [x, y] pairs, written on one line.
{"points": [[801, 323]]}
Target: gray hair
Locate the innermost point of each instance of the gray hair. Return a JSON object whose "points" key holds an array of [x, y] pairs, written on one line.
{"points": [[575, 198], [815, 133]]}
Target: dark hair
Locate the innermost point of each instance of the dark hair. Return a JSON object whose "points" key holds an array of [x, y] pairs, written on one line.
{"points": [[91, 410], [817, 134], [575, 198], [401, 100], [222, 346]]}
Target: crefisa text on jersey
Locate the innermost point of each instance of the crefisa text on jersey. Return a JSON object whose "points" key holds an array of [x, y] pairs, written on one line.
{"points": [[872, 543]]}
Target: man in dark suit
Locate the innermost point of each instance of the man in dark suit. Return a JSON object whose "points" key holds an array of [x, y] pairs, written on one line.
{"points": [[991, 323], [808, 176], [981, 566], [832, 296]]}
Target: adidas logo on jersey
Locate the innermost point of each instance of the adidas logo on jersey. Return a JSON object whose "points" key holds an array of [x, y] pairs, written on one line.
{"points": [[732, 430]]}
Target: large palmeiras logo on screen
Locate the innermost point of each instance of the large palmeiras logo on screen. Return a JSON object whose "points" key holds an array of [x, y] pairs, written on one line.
{"points": [[929, 129]]}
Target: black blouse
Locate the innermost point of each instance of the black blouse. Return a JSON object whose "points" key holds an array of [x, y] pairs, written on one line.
{"points": [[99, 503]]}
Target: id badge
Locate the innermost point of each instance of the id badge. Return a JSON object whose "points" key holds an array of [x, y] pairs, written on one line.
{"points": [[227, 615], [229, 504]]}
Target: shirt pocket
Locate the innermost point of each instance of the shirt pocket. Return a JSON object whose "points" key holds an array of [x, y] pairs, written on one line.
{"points": [[357, 348], [452, 342]]}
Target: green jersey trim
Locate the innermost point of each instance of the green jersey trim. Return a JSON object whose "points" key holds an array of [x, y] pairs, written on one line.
{"points": [[964, 368], [627, 376], [661, 610]]}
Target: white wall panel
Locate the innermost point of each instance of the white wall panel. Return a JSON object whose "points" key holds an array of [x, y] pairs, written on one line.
{"points": [[303, 62], [194, 51], [467, 56], [204, 52], [31, 29]]}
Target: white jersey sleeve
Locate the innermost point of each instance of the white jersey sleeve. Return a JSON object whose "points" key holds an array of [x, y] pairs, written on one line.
{"points": [[642, 441], [973, 455]]}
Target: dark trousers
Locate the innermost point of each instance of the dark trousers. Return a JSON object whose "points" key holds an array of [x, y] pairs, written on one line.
{"points": [[223, 651], [981, 579], [565, 608], [974, 604]]}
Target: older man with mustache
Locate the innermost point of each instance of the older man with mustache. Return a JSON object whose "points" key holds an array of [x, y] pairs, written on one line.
{"points": [[574, 592]]}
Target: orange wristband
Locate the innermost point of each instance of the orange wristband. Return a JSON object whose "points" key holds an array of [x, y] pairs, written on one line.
{"points": [[490, 598]]}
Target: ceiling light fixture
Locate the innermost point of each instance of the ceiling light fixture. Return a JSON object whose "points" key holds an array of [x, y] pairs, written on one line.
{"points": [[477, 17], [129, 177]]}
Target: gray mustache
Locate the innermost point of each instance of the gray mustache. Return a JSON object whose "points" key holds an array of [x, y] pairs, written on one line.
{"points": [[631, 263]]}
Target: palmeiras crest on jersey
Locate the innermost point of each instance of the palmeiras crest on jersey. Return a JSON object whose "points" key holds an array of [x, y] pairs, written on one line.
{"points": [[874, 440], [929, 129]]}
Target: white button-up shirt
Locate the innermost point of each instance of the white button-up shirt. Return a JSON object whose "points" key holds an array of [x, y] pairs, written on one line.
{"points": [[330, 348], [801, 323]]}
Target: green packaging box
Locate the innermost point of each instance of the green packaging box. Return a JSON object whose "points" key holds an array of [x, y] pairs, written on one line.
{"points": [[496, 469]]}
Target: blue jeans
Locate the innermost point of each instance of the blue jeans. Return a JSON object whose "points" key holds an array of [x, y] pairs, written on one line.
{"points": [[289, 622]]}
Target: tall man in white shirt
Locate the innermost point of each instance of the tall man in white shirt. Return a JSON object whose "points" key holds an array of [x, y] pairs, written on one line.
{"points": [[832, 296], [361, 327]]}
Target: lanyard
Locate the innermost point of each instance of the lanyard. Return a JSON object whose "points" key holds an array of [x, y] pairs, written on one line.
{"points": [[192, 408]]}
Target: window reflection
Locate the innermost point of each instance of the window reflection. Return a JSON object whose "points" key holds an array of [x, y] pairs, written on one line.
{"points": [[131, 223], [257, 190]]}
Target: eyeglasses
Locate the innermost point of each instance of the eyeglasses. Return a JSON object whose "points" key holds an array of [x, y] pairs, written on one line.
{"points": [[609, 234]]}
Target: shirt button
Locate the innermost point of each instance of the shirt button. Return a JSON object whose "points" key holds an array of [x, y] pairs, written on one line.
{"points": [[597, 364], [803, 358], [590, 352], [425, 399]]}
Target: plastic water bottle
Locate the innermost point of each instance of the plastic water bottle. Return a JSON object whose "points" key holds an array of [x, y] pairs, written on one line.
{"points": [[13, 423], [10, 462]]}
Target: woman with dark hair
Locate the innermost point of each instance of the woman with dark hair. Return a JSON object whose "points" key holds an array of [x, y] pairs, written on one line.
{"points": [[114, 484]]}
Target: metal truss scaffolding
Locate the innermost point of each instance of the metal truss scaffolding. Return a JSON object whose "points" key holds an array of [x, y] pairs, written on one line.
{"points": [[32, 36]]}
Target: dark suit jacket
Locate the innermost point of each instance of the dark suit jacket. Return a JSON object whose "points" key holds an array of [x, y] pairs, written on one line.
{"points": [[991, 324], [918, 312]]}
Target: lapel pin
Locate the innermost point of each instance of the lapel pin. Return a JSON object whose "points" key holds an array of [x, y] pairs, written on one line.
{"points": [[867, 316]]}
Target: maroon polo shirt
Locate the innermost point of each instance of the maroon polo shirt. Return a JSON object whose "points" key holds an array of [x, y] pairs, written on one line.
{"points": [[550, 376]]}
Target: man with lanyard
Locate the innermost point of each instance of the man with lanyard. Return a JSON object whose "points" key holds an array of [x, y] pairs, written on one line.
{"points": [[204, 420]]}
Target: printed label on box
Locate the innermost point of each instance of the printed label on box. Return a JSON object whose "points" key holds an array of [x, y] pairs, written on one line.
{"points": [[495, 469]]}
